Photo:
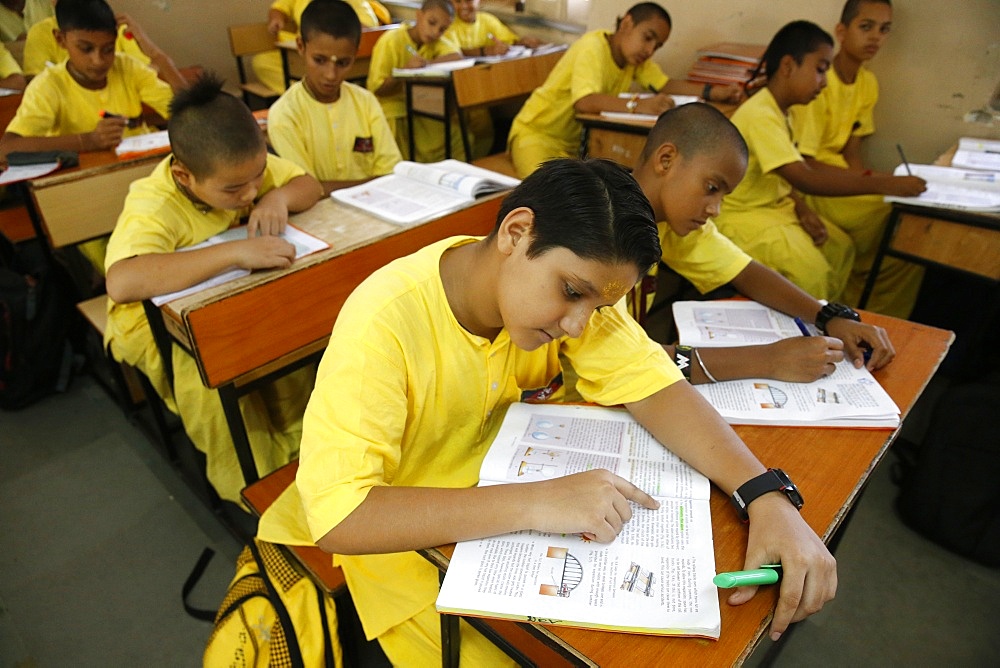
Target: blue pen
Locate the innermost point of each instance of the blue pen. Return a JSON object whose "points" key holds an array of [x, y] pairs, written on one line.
{"points": [[802, 327]]}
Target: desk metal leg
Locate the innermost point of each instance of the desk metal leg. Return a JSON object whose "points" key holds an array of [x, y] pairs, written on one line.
{"points": [[584, 142], [883, 247], [237, 429], [409, 121], [450, 638]]}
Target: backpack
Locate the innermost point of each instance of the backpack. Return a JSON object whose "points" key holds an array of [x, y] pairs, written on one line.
{"points": [[948, 484], [272, 615], [36, 316]]}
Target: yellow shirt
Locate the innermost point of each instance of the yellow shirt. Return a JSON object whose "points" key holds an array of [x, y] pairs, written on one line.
{"points": [[586, 68], [419, 405], [769, 140], [54, 104], [158, 218], [346, 140], [41, 48], [841, 111], [8, 65], [392, 50], [705, 256], [477, 34], [294, 9]]}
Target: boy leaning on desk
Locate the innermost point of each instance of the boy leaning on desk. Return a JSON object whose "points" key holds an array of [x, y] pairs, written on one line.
{"points": [[423, 361], [219, 172]]}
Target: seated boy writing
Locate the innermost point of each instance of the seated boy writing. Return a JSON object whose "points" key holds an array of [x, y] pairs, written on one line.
{"points": [[414, 46], [218, 174], [830, 130], [693, 157], [332, 128], [423, 361], [590, 78]]}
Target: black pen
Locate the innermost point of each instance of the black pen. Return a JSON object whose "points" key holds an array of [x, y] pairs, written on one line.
{"points": [[906, 164]]}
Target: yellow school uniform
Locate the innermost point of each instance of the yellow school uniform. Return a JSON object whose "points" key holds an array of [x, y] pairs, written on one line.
{"points": [[822, 128], [13, 25], [480, 33], [346, 140], [267, 65], [546, 127], [759, 215], [8, 65], [41, 47], [389, 426], [394, 50], [159, 218]]}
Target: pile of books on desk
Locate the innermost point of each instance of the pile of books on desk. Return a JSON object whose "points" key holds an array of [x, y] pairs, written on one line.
{"points": [[726, 63]]}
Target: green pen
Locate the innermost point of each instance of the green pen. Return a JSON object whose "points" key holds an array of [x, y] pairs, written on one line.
{"points": [[765, 575]]}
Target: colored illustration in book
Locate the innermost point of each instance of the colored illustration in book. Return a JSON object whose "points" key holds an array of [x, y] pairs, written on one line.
{"points": [[545, 429], [638, 580], [565, 572], [768, 396], [824, 396]]}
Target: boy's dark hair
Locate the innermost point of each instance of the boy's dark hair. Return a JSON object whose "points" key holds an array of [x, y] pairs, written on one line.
{"points": [[591, 207], [795, 39], [440, 4], [645, 11], [208, 127], [91, 15], [335, 18], [694, 128], [853, 7]]}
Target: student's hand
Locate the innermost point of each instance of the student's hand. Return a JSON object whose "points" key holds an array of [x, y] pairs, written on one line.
{"points": [[415, 62], [275, 25], [778, 534], [269, 217], [811, 223], [803, 359], [732, 94], [530, 42], [495, 47], [136, 31], [859, 336], [655, 105], [264, 253], [594, 504], [904, 186], [106, 135]]}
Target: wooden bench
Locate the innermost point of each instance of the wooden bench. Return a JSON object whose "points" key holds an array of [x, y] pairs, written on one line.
{"points": [[249, 39]]}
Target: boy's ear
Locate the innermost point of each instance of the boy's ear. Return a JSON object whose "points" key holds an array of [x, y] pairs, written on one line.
{"points": [[665, 157], [787, 64], [60, 37], [516, 228], [181, 173], [300, 45], [840, 32]]}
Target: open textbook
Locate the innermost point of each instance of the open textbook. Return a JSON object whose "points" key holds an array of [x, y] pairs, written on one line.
{"points": [[849, 397], [655, 578], [975, 153], [151, 143], [442, 69], [416, 193], [972, 189], [304, 243]]}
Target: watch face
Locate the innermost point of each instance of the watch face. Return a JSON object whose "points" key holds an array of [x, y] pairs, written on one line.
{"points": [[789, 488]]}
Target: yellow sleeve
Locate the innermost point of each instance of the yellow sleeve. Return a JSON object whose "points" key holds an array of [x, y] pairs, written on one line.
{"points": [[36, 115], [8, 65], [499, 30], [152, 90], [286, 135], [40, 48]]}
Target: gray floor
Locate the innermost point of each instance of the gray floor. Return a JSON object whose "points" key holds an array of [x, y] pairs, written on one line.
{"points": [[97, 534]]}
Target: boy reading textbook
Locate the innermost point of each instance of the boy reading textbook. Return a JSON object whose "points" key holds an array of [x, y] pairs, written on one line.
{"points": [[655, 578], [416, 193]]}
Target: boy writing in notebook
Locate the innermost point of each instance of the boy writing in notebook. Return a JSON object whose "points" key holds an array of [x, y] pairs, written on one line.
{"points": [[219, 173], [414, 46], [332, 128], [692, 158], [830, 130], [590, 78], [423, 361]]}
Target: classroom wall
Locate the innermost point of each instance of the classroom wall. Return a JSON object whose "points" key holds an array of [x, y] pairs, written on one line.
{"points": [[942, 60]]}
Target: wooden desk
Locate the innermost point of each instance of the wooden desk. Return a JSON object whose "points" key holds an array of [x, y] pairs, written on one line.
{"points": [[255, 328], [294, 68], [830, 466]]}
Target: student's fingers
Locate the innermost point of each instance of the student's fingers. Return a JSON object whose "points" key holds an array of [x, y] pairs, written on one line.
{"points": [[632, 493]]}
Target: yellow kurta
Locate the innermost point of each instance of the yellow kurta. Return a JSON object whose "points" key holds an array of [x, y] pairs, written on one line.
{"points": [[393, 50], [159, 218], [13, 25], [422, 405], [759, 215], [267, 66], [41, 47], [347, 140], [822, 128], [546, 127], [8, 64]]}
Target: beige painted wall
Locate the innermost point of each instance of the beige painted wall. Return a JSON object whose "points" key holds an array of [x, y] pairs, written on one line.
{"points": [[942, 60]]}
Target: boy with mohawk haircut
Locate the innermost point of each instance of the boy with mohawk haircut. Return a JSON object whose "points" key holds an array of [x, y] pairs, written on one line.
{"points": [[218, 174]]}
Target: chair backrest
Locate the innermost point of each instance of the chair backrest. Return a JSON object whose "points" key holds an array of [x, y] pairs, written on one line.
{"points": [[250, 38], [83, 205], [502, 81]]}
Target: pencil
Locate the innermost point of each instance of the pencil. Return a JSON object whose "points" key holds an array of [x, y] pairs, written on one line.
{"points": [[899, 147]]}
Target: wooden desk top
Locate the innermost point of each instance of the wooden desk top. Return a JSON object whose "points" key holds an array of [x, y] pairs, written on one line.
{"points": [[247, 327], [829, 465]]}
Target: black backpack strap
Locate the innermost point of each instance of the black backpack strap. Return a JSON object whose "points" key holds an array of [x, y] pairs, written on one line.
{"points": [[327, 644], [294, 653], [192, 581]]}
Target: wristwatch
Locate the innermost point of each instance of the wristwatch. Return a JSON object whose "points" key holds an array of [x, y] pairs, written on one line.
{"points": [[632, 104], [834, 310], [770, 481]]}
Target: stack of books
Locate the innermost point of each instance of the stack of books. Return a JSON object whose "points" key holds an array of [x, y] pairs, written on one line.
{"points": [[726, 63]]}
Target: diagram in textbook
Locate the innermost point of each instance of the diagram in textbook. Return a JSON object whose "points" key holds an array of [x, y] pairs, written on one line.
{"points": [[565, 570], [638, 580], [768, 396]]}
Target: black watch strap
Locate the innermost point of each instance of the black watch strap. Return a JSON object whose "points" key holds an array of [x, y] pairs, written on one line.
{"points": [[834, 310], [772, 480]]}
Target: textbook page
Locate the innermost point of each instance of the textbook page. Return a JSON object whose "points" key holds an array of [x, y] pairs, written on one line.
{"points": [[305, 244], [655, 578], [975, 153], [730, 323], [443, 69], [24, 172], [150, 143], [970, 189], [415, 193]]}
